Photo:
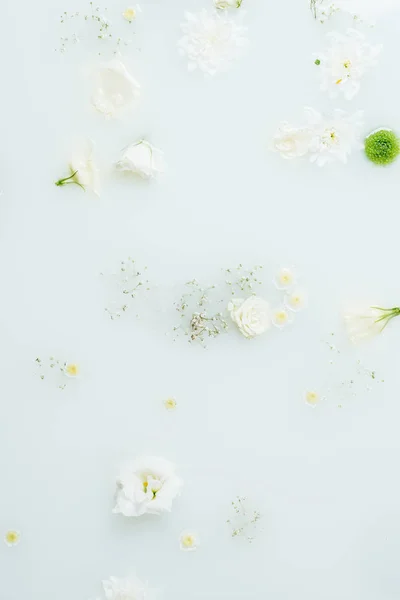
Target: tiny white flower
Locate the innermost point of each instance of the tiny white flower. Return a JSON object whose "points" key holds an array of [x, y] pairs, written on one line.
{"points": [[292, 142], [143, 159], [312, 397], [83, 170], [222, 4], [281, 318], [295, 300], [284, 279], [188, 541], [131, 13], [252, 316], [127, 588], [12, 537], [71, 370], [170, 404], [343, 65], [148, 485], [362, 324], [115, 88], [211, 41], [334, 137]]}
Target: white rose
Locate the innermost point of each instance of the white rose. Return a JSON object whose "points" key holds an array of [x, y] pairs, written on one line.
{"points": [[148, 485], [292, 142], [115, 88], [252, 316], [142, 159], [127, 588]]}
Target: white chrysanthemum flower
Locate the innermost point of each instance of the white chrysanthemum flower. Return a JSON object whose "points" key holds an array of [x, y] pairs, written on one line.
{"points": [[148, 485], [115, 88], [334, 137], [292, 142], [312, 397], [211, 41], [12, 537], [143, 159], [281, 317], [131, 13], [284, 279], [126, 588], [362, 324], [295, 300], [83, 170], [252, 316], [188, 541], [345, 62], [170, 403]]}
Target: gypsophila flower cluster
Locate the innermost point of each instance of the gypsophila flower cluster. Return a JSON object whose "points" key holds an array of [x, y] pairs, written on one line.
{"points": [[56, 368], [244, 521], [242, 280], [129, 282]]}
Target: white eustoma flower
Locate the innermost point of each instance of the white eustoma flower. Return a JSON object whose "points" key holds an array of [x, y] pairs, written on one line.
{"points": [[126, 588], [188, 541], [83, 170], [222, 4], [142, 159], [115, 88], [362, 324], [252, 316], [334, 137], [343, 65], [292, 142], [211, 41], [148, 485]]}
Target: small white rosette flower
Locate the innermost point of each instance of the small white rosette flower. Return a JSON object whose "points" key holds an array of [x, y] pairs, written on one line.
{"points": [[126, 588], [366, 323], [252, 316], [143, 159], [148, 485], [115, 88], [292, 142]]}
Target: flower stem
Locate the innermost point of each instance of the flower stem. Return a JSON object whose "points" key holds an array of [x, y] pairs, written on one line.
{"points": [[68, 180]]}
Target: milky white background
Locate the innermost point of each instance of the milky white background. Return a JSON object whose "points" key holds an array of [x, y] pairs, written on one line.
{"points": [[325, 480]]}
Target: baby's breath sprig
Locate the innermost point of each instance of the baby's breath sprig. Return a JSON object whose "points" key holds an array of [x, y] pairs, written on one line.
{"points": [[243, 520], [130, 282], [203, 322], [243, 280], [65, 368]]}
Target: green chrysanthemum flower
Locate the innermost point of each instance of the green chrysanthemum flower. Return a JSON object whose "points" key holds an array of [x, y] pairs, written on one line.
{"points": [[382, 147]]}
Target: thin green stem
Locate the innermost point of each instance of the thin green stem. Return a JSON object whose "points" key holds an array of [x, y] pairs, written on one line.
{"points": [[68, 180]]}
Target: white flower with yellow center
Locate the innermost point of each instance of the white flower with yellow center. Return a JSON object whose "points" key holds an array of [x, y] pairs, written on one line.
{"points": [[296, 300], [148, 485], [127, 588], [364, 323], [312, 397], [188, 541], [343, 65], [131, 13], [211, 41], [281, 317], [143, 159], [71, 370], [252, 316], [115, 89], [12, 537], [170, 404], [292, 142], [284, 279]]}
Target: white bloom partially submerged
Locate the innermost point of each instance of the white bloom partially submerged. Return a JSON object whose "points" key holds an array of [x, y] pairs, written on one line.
{"points": [[252, 316], [12, 537], [295, 300], [366, 323], [131, 13], [188, 541], [126, 588], [284, 279], [211, 41], [83, 170], [345, 62], [281, 318], [115, 89], [143, 159], [292, 142], [148, 485]]}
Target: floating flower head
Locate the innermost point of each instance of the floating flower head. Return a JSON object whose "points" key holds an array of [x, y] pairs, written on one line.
{"points": [[211, 41], [131, 13], [115, 88], [382, 146], [343, 65], [292, 142], [284, 279], [126, 588], [222, 4], [170, 404], [312, 397], [252, 316], [12, 537], [296, 300], [71, 370], [83, 171], [281, 317], [188, 541], [334, 137], [141, 158], [148, 485], [365, 323]]}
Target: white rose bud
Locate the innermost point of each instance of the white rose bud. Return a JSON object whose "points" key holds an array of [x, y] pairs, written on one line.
{"points": [[252, 316], [142, 159]]}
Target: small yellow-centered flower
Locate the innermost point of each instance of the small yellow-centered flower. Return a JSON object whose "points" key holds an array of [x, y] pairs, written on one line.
{"points": [[130, 13], [72, 370], [284, 279], [296, 300], [188, 541], [170, 403], [12, 537], [312, 397], [281, 318]]}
